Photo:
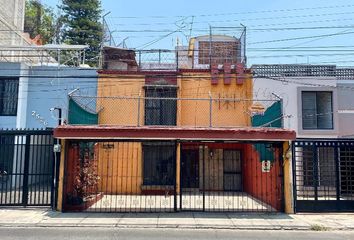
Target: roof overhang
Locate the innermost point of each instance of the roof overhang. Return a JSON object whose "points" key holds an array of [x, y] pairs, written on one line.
{"points": [[173, 133]]}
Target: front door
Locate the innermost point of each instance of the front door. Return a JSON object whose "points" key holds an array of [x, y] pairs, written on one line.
{"points": [[190, 168], [232, 170]]}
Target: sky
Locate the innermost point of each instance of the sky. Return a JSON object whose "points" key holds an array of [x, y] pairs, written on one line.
{"points": [[278, 31]]}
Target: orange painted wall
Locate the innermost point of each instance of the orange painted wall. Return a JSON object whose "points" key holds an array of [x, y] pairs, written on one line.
{"points": [[224, 113], [189, 112], [118, 111], [123, 173], [120, 168]]}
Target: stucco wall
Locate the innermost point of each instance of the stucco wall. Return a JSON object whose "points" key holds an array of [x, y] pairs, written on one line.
{"points": [[49, 88], [13, 12], [115, 109], [42, 88], [120, 168], [120, 111], [12, 70], [224, 113], [346, 108]]}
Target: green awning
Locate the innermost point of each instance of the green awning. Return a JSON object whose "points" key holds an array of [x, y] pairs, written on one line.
{"points": [[80, 115]]}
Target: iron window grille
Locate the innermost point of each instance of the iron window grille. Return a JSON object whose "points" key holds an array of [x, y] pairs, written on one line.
{"points": [[159, 109], [8, 96], [159, 160]]}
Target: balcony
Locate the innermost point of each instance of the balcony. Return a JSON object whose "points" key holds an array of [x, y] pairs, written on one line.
{"points": [[175, 112]]}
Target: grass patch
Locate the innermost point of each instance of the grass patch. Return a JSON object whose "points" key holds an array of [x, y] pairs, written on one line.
{"points": [[317, 227]]}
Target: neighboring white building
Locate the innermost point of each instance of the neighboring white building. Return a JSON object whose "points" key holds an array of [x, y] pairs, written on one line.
{"points": [[12, 17], [15, 45], [318, 100], [27, 93]]}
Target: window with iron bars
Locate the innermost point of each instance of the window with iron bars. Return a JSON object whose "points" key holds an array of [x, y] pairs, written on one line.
{"points": [[159, 110], [8, 96], [159, 159]]}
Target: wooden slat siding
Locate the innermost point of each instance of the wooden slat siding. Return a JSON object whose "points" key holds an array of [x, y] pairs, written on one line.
{"points": [[214, 74], [227, 73]]}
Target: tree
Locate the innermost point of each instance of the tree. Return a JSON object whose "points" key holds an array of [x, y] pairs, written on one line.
{"points": [[40, 20], [81, 25]]}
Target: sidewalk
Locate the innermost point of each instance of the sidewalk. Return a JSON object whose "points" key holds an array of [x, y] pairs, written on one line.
{"points": [[45, 218]]}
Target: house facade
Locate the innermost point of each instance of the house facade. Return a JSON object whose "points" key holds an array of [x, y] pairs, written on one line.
{"points": [[318, 104], [12, 16], [29, 93], [175, 140], [316, 99], [30, 97]]}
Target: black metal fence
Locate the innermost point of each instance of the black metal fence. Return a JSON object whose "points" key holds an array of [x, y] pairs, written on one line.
{"points": [[168, 176], [26, 167], [120, 176], [231, 177], [323, 172]]}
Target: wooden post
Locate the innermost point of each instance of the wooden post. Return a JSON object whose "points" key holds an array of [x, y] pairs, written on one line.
{"points": [[288, 181], [60, 183]]}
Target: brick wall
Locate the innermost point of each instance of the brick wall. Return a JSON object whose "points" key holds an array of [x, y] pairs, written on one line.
{"points": [[221, 52]]}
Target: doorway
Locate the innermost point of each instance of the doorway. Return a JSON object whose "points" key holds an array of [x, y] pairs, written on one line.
{"points": [[232, 170], [190, 168]]}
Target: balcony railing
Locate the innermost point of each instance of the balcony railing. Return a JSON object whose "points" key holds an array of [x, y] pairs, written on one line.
{"points": [[180, 112]]}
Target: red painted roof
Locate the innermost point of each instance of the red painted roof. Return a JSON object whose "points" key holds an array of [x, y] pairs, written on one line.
{"points": [[172, 133]]}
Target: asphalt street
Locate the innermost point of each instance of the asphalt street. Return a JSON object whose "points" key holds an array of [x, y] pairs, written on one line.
{"points": [[156, 234]]}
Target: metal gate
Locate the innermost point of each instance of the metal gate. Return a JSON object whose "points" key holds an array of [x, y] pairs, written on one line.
{"points": [[323, 172], [120, 176], [230, 177], [26, 167], [142, 176]]}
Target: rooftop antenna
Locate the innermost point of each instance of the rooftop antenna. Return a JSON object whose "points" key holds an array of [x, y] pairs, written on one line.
{"points": [[191, 28]]}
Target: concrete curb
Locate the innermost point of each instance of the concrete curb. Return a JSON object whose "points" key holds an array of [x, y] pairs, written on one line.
{"points": [[171, 226], [49, 219]]}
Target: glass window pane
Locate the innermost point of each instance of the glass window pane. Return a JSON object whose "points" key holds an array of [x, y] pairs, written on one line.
{"points": [[324, 110], [309, 118], [159, 159]]}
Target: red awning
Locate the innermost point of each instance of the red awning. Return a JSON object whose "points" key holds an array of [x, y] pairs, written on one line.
{"points": [[173, 133]]}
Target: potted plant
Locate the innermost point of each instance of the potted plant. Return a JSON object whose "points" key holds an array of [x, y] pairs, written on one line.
{"points": [[86, 180]]}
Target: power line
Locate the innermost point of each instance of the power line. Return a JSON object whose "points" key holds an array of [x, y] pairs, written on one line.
{"points": [[257, 19], [240, 13], [299, 38], [305, 48], [238, 20]]}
